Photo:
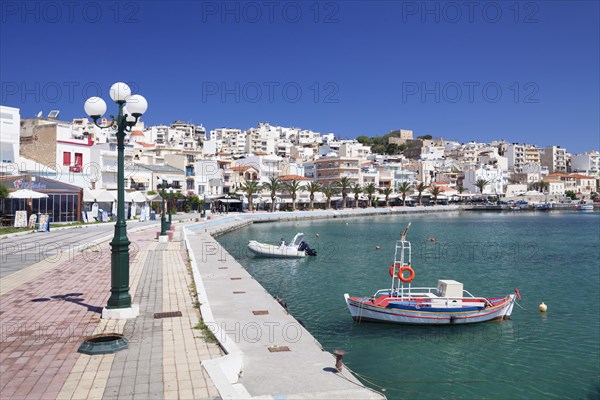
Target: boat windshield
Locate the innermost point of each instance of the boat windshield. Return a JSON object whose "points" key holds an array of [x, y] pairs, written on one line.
{"points": [[298, 239]]}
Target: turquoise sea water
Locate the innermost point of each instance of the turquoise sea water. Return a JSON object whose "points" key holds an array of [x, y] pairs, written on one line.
{"points": [[550, 256]]}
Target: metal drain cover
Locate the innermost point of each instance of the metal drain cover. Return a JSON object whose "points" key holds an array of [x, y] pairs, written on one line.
{"points": [[278, 349], [168, 314]]}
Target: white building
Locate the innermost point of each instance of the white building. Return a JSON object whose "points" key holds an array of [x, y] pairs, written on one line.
{"points": [[493, 174], [209, 178], [10, 125], [555, 158], [587, 163], [267, 166]]}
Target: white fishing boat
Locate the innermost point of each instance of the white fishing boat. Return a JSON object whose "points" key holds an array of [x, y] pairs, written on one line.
{"points": [[296, 249], [583, 206], [448, 303]]}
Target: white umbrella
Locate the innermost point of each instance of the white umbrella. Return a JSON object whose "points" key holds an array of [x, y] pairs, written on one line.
{"points": [[138, 197], [26, 194], [102, 196]]}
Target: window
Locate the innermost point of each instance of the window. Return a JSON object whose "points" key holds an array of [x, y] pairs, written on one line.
{"points": [[78, 159], [66, 158]]}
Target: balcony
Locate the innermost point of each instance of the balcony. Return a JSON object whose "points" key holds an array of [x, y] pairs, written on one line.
{"points": [[75, 168]]}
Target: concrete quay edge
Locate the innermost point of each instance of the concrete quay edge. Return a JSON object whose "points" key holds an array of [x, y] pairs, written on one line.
{"points": [[226, 371]]}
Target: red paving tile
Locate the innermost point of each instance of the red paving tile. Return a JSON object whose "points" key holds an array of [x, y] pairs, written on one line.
{"points": [[40, 338]]}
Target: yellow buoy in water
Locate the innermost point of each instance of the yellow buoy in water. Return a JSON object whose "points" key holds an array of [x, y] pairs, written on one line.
{"points": [[543, 307]]}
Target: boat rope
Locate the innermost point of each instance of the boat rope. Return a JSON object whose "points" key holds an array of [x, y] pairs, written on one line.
{"points": [[522, 308], [468, 381], [361, 385]]}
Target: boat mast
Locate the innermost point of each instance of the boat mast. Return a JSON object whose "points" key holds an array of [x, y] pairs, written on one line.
{"points": [[402, 245]]}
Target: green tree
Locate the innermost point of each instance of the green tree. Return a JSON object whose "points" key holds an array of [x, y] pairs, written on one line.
{"points": [[481, 184], [460, 189], [386, 192], [363, 140], [542, 186], [357, 190], [571, 194], [375, 201], [3, 195], [344, 184], [370, 190], [3, 191], [425, 137], [404, 188], [435, 192], [293, 187], [312, 188], [329, 190], [273, 186], [250, 187], [193, 202], [420, 188]]}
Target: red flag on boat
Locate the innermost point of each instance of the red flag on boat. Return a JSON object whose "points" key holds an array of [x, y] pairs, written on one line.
{"points": [[518, 293]]}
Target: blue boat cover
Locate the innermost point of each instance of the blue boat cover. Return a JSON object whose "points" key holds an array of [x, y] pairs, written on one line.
{"points": [[408, 306]]}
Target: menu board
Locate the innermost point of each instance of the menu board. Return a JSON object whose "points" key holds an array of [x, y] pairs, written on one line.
{"points": [[20, 219], [44, 225]]}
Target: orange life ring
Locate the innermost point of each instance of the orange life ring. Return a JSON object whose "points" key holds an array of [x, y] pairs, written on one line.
{"points": [[411, 274], [393, 269]]}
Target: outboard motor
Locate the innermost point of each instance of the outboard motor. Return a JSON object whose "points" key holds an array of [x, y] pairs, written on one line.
{"points": [[306, 248]]}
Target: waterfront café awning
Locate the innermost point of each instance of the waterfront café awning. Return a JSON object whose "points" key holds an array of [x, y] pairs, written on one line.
{"points": [[63, 203]]}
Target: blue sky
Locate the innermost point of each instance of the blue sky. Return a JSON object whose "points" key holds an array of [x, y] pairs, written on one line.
{"points": [[519, 71]]}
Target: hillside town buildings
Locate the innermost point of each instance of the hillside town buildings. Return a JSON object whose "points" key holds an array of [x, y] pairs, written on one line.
{"points": [[217, 163]]}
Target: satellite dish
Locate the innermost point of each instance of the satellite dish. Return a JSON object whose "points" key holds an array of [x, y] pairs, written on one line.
{"points": [[39, 115]]}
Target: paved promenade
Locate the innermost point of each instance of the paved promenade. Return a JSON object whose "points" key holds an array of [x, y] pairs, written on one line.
{"points": [[48, 307], [270, 354]]}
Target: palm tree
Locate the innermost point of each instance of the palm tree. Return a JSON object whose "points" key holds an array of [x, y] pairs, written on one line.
{"points": [[357, 190], [543, 186], [375, 201], [460, 189], [273, 186], [344, 184], [404, 188], [435, 192], [370, 189], [329, 190], [312, 188], [481, 183], [250, 187], [293, 187], [420, 188], [386, 192]]}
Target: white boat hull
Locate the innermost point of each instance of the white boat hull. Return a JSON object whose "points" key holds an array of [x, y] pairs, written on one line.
{"points": [[269, 250], [362, 309]]}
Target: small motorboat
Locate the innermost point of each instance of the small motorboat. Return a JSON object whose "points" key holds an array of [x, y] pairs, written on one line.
{"points": [[448, 303], [296, 249], [543, 206], [583, 206]]}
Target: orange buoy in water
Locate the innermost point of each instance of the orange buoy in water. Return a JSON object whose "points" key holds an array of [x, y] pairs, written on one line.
{"points": [[431, 239]]}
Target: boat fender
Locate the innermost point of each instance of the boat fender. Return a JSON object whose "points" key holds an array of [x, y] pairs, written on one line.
{"points": [[393, 269], [411, 274]]}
